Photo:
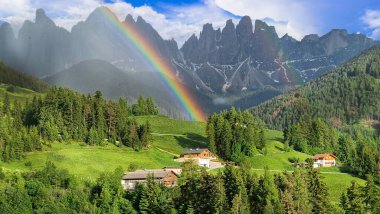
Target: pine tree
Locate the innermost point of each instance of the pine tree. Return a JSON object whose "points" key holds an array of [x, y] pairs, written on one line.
{"points": [[133, 137], [6, 104], [226, 140], [318, 194], [111, 119], [93, 137], [372, 195], [300, 194], [211, 137], [269, 195], [144, 203], [355, 201]]}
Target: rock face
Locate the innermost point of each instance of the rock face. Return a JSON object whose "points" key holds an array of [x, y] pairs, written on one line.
{"points": [[42, 48], [241, 64], [245, 59]]}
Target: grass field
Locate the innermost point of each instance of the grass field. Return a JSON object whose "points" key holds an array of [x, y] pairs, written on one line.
{"points": [[90, 161], [175, 136], [17, 93], [278, 160], [172, 136]]}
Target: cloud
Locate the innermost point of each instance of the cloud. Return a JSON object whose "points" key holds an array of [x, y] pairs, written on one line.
{"points": [[371, 20], [178, 22], [295, 17]]}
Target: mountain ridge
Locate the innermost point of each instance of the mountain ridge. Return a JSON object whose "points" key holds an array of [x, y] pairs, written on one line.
{"points": [[242, 62]]}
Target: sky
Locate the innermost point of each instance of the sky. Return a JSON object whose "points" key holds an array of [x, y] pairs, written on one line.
{"points": [[179, 19]]}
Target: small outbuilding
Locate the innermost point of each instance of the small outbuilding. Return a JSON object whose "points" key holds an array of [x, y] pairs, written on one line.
{"points": [[324, 160]]}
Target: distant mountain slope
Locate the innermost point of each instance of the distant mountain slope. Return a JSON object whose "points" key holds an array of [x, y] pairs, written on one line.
{"points": [[92, 75], [12, 77], [346, 95]]}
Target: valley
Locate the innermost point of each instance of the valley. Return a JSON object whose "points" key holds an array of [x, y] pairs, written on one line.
{"points": [[188, 108]]}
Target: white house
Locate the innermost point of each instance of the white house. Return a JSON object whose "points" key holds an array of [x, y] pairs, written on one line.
{"points": [[324, 160]]}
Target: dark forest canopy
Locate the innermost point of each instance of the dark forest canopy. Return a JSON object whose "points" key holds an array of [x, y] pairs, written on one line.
{"points": [[233, 191], [344, 96], [235, 134]]}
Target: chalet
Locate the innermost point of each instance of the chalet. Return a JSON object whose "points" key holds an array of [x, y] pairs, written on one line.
{"points": [[198, 153], [324, 160], [162, 176], [200, 157]]}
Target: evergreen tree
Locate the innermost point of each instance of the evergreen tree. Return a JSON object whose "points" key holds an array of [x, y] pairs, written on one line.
{"points": [[300, 194], [318, 194], [6, 104], [372, 195], [354, 202], [270, 201]]}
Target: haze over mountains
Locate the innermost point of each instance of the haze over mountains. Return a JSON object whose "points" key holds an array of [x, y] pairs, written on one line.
{"points": [[240, 65]]}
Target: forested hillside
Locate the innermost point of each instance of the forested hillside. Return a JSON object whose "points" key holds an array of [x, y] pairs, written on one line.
{"points": [[65, 115], [345, 96], [10, 76]]}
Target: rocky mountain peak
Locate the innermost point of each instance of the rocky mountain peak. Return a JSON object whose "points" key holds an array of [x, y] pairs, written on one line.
{"points": [[42, 18], [288, 38], [262, 29], [310, 38], [245, 25], [129, 19], [6, 29], [140, 20]]}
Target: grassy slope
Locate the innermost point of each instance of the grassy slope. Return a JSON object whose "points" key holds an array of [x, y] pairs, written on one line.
{"points": [[19, 94], [277, 159], [171, 135], [90, 161], [175, 136]]}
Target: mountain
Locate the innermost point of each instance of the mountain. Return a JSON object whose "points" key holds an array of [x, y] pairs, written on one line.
{"points": [[241, 65], [347, 95], [42, 48], [12, 77], [239, 58], [98, 75]]}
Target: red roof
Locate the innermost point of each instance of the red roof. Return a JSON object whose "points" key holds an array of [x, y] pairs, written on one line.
{"points": [[322, 156]]}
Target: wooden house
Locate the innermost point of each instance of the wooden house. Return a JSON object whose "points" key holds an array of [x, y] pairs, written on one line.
{"points": [[324, 160], [161, 176], [198, 153]]}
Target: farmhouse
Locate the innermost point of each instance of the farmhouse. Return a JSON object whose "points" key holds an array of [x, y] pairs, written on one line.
{"points": [[198, 153], [324, 160], [201, 157], [162, 176]]}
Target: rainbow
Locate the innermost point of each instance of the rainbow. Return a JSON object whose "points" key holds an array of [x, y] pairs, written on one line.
{"points": [[162, 67]]}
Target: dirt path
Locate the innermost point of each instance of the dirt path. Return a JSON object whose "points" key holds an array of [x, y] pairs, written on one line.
{"points": [[163, 150]]}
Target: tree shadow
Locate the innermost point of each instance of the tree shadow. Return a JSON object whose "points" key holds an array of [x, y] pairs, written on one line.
{"points": [[377, 128], [196, 137], [279, 148], [192, 140]]}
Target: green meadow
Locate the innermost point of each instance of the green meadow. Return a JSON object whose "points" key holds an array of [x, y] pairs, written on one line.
{"points": [[88, 162], [170, 137], [277, 160]]}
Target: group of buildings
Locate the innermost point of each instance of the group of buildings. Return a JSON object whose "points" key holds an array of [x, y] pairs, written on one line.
{"points": [[168, 176]]}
